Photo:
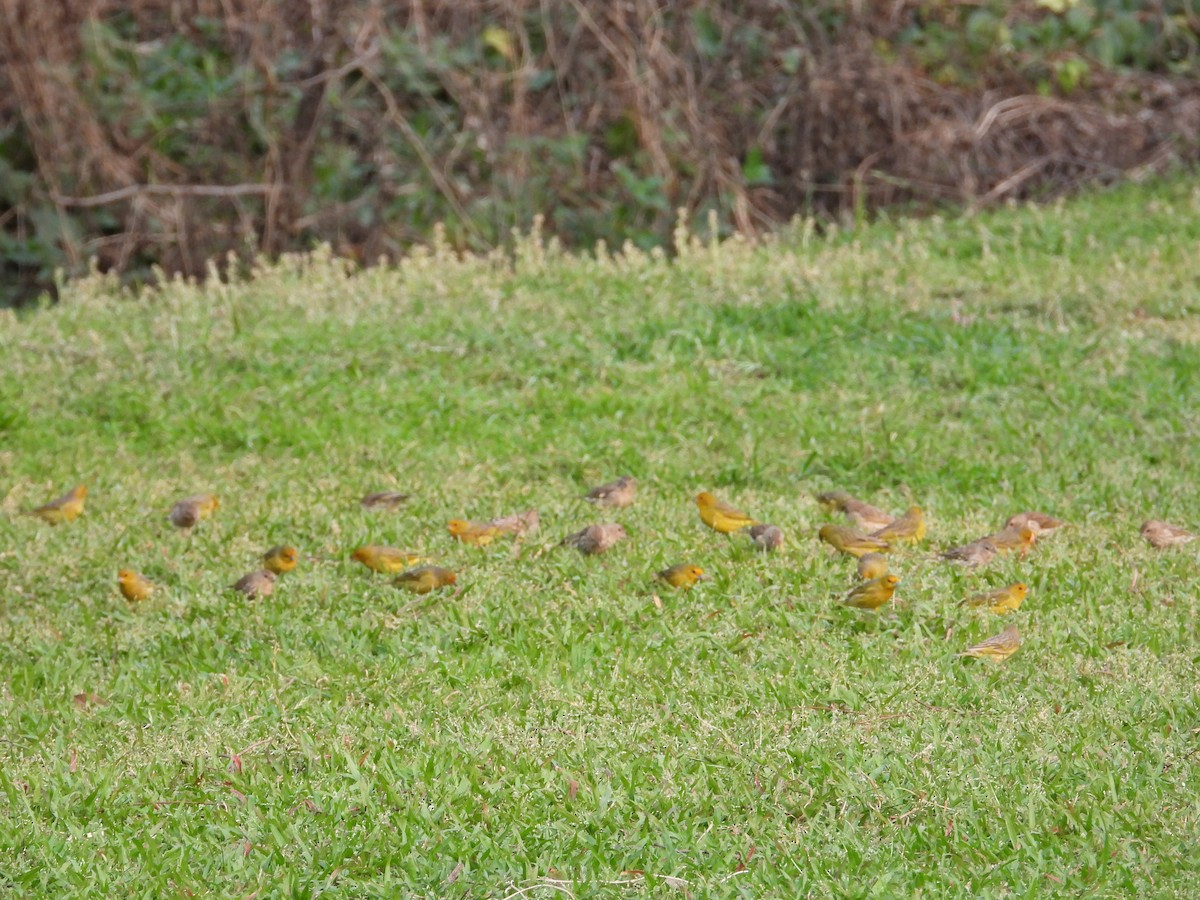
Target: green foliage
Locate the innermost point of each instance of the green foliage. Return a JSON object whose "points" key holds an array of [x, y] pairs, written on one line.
{"points": [[553, 727]]}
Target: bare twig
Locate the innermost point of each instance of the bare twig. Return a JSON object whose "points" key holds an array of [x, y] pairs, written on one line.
{"points": [[169, 190]]}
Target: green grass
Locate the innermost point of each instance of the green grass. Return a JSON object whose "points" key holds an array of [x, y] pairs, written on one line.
{"points": [[552, 722]]}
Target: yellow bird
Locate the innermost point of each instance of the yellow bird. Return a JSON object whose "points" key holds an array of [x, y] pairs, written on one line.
{"points": [[872, 565], [1164, 534], [767, 537], [66, 508], [477, 534], [615, 495], [908, 529], [851, 540], [1002, 600], [280, 559], [721, 516], [861, 515], [998, 647], [256, 584], [190, 510], [388, 560], [425, 579], [595, 538], [519, 524], [872, 594], [134, 586], [383, 500], [681, 576]]}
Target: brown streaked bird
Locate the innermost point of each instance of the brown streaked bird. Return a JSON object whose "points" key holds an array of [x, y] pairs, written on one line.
{"points": [[477, 534], [872, 565], [280, 559], [976, 553], [908, 529], [997, 648], [190, 510], [388, 560], [851, 540], [872, 594], [383, 500], [256, 584], [519, 524], [66, 508], [424, 579], [1164, 534], [861, 515], [595, 538], [767, 537], [1039, 522], [682, 576], [720, 516], [1002, 600], [614, 495], [134, 586]]}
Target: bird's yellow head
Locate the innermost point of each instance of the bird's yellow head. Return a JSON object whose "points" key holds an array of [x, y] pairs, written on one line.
{"points": [[831, 499], [362, 554], [288, 554], [914, 511], [1020, 589], [891, 580], [450, 578], [826, 532], [126, 575], [695, 572], [79, 491], [704, 498], [458, 526]]}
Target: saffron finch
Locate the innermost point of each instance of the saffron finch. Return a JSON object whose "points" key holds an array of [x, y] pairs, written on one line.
{"points": [[388, 560], [1039, 522], [383, 500], [595, 538], [681, 576], [190, 510], [1163, 534], [908, 529], [1002, 600], [280, 559], [767, 537], [614, 495], [134, 586], [66, 508], [851, 540], [478, 534], [425, 579], [519, 523], [872, 594], [872, 565], [1013, 539], [721, 516], [998, 647], [860, 515], [260, 583]]}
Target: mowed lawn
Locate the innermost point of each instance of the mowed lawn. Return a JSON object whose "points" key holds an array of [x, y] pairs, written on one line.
{"points": [[563, 727]]}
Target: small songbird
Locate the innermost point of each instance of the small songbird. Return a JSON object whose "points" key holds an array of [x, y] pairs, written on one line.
{"points": [[767, 537], [1039, 522], [861, 515], [1163, 534], [908, 529], [134, 586], [1002, 600], [256, 584], [190, 510], [383, 500], [872, 565], [998, 647], [280, 559], [595, 538], [851, 540], [1011, 539], [976, 553], [66, 508], [681, 576], [388, 560], [425, 579], [519, 523], [721, 516], [478, 534], [872, 594], [615, 495]]}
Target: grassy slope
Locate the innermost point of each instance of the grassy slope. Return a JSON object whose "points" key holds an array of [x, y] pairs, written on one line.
{"points": [[552, 721]]}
